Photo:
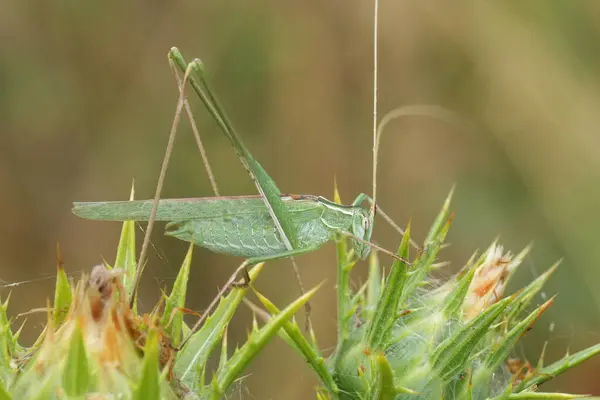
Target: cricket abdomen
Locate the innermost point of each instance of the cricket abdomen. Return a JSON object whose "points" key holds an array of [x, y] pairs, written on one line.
{"points": [[246, 235]]}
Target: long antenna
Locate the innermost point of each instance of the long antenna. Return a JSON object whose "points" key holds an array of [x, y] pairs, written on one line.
{"points": [[375, 62], [411, 110]]}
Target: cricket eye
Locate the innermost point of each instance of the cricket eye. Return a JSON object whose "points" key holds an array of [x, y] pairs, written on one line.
{"points": [[365, 223]]}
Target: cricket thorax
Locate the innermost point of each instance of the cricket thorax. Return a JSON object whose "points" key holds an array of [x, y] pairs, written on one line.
{"points": [[362, 227], [350, 219]]}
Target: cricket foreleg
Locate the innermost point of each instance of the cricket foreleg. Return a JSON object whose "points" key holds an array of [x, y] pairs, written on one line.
{"points": [[376, 247], [360, 198], [364, 197], [161, 179]]}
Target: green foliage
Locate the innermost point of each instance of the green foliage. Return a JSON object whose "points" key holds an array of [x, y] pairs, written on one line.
{"points": [[85, 349]]}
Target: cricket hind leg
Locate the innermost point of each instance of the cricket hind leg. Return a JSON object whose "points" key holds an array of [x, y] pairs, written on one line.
{"points": [[181, 83], [161, 178], [182, 104], [307, 305]]}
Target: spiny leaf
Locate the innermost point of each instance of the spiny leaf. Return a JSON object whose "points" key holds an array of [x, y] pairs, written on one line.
{"points": [[555, 369], [126, 259], [524, 297], [440, 220], [452, 354], [544, 396], [518, 259], [8, 340], [77, 379], [256, 341], [459, 387], [4, 395], [63, 296], [357, 302], [499, 355], [224, 355], [299, 342], [505, 395], [6, 372], [383, 388], [200, 375], [16, 336], [172, 323], [343, 289], [41, 390], [373, 285], [3, 310], [322, 395], [345, 263], [337, 199], [387, 306], [200, 345], [149, 384], [255, 326], [424, 263], [454, 299]]}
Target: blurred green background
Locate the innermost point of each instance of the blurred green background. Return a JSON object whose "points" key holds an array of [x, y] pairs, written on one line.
{"points": [[87, 98]]}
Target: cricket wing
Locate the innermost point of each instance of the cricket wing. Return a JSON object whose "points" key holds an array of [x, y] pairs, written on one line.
{"points": [[136, 210], [182, 209]]}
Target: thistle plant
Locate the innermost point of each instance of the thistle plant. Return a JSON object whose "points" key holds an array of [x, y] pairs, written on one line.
{"points": [[399, 336], [95, 346]]}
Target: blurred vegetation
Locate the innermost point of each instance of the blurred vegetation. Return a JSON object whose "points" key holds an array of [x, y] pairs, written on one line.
{"points": [[86, 102]]}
